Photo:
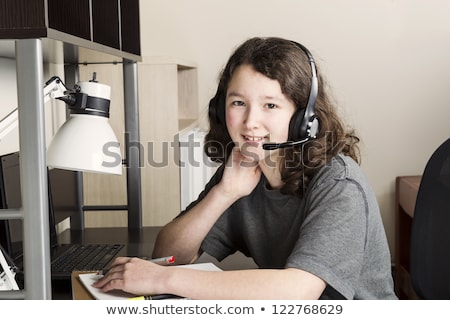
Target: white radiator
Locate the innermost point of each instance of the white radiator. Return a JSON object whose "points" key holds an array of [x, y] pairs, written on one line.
{"points": [[195, 167]]}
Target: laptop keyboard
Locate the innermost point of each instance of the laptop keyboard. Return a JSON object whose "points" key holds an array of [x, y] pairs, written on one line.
{"points": [[89, 257]]}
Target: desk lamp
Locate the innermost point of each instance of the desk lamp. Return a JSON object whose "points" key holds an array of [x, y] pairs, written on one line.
{"points": [[86, 141]]}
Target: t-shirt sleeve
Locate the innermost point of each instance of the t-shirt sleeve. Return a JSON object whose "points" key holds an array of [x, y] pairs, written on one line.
{"points": [[219, 242]]}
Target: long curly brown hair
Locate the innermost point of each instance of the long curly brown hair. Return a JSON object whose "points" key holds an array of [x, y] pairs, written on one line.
{"points": [[283, 60]]}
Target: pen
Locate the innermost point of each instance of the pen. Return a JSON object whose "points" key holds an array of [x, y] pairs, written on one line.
{"points": [[157, 297], [164, 261]]}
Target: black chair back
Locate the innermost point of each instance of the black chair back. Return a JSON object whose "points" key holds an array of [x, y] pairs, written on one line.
{"points": [[430, 237]]}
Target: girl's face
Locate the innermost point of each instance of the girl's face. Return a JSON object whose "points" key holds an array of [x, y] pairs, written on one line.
{"points": [[257, 112]]}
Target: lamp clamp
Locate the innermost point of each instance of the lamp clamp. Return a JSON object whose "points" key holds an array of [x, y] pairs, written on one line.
{"points": [[78, 101], [56, 89]]}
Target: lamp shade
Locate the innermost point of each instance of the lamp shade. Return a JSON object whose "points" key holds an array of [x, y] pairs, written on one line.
{"points": [[86, 141]]}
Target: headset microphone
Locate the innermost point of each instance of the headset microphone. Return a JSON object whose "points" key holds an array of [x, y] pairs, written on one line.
{"points": [[273, 146]]}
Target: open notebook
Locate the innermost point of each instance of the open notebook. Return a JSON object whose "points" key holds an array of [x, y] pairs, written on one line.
{"points": [[87, 279]]}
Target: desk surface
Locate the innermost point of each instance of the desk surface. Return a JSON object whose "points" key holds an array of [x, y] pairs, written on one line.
{"points": [[139, 243]]}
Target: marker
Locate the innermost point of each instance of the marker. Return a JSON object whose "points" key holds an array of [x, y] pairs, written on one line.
{"points": [[164, 261]]}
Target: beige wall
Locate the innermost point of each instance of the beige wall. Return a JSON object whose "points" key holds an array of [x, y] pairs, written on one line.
{"points": [[388, 62]]}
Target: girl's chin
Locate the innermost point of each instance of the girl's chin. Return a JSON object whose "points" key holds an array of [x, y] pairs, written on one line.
{"points": [[253, 151]]}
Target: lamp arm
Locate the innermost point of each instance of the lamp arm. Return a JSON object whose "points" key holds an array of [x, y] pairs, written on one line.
{"points": [[55, 89]]}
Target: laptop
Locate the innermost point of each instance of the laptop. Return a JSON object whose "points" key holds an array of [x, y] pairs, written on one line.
{"points": [[63, 202]]}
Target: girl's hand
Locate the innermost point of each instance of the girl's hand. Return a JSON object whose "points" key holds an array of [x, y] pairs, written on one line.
{"points": [[241, 175], [133, 275]]}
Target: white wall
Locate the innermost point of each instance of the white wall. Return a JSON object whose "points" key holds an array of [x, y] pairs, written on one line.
{"points": [[55, 111], [387, 60], [8, 86], [9, 134]]}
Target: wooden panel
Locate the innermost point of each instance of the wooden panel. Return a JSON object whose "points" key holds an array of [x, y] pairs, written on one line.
{"points": [[93, 24], [22, 19], [408, 188], [187, 95], [72, 17], [158, 100], [131, 42], [105, 20], [107, 219]]}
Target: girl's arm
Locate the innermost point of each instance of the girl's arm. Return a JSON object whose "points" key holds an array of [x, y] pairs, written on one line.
{"points": [[142, 277], [183, 236]]}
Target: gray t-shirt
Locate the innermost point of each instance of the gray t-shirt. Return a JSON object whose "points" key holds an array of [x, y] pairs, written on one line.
{"points": [[334, 232]]}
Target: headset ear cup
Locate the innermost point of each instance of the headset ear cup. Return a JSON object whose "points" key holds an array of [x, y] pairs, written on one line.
{"points": [[295, 125]]}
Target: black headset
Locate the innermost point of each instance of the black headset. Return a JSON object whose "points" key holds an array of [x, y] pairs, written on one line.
{"points": [[304, 124]]}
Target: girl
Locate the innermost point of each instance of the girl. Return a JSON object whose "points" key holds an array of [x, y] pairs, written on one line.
{"points": [[289, 194]]}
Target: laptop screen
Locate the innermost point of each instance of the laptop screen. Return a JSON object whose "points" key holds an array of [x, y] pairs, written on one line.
{"points": [[63, 201]]}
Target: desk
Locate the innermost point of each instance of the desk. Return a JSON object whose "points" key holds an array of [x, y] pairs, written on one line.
{"points": [[73, 24], [139, 243], [406, 188]]}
